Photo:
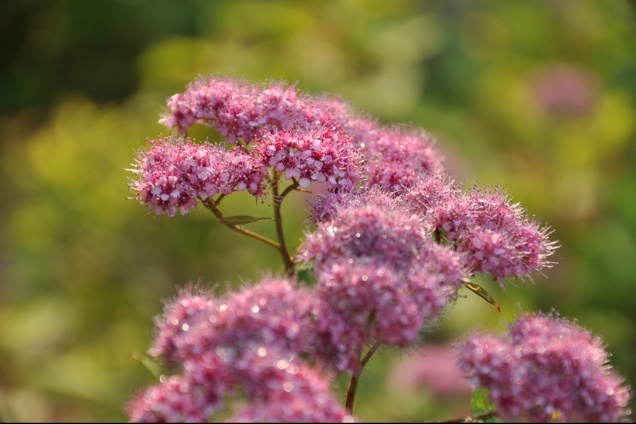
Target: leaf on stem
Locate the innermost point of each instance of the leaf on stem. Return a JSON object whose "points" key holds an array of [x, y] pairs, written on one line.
{"points": [[150, 363], [243, 219], [481, 292]]}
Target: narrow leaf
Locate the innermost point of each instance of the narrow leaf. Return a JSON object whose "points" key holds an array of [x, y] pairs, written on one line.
{"points": [[148, 362], [481, 292], [242, 219]]}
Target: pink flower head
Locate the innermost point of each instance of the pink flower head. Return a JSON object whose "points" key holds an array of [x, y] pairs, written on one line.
{"points": [[380, 275], [274, 313], [494, 235], [286, 390], [173, 173], [179, 316], [546, 369], [371, 224], [326, 156], [430, 195], [238, 109], [397, 157], [251, 341], [174, 400]]}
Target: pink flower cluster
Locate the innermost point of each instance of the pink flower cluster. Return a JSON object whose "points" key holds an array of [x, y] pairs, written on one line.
{"points": [[565, 89], [240, 110], [493, 234], [397, 157], [394, 239], [379, 273], [304, 138], [173, 173], [324, 155], [252, 342], [546, 369]]}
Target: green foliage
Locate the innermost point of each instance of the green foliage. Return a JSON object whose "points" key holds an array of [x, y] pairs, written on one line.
{"points": [[481, 409]]}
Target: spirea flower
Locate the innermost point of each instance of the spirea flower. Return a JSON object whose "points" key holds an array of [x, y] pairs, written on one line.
{"points": [[252, 341], [380, 275], [174, 400], [173, 173], [429, 195], [179, 316], [369, 223], [274, 313], [326, 156], [562, 88], [431, 367], [240, 110], [493, 234], [285, 390], [396, 157], [546, 368]]}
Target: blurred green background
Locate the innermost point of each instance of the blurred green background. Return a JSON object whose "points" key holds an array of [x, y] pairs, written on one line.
{"points": [[537, 96]]}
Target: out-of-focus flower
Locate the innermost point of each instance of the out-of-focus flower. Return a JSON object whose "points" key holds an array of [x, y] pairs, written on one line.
{"points": [[564, 88], [546, 369], [433, 368]]}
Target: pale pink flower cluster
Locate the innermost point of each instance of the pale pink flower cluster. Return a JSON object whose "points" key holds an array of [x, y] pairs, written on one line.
{"points": [[252, 342], [431, 368], [545, 369]]}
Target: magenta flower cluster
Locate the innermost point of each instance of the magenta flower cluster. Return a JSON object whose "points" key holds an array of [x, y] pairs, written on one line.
{"points": [[391, 241], [255, 342], [274, 128], [380, 273], [546, 369], [175, 172]]}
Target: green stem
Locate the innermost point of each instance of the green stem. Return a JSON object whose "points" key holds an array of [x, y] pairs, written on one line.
{"points": [[355, 379], [278, 219], [212, 206]]}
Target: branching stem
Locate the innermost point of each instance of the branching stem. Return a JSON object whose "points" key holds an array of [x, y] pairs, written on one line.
{"points": [[212, 206], [278, 219], [355, 379]]}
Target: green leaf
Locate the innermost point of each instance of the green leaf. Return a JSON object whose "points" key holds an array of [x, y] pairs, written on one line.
{"points": [[481, 409], [150, 363], [306, 276], [481, 292], [242, 219]]}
